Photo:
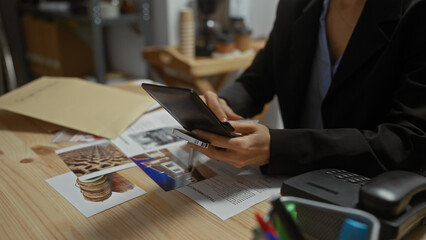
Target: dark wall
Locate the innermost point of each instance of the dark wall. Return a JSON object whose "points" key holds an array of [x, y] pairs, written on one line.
{"points": [[9, 11]]}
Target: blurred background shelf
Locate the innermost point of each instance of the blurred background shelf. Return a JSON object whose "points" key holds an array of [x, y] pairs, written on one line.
{"points": [[90, 12], [176, 69], [114, 44]]}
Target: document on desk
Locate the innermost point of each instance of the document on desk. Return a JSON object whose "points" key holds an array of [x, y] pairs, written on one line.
{"points": [[78, 104], [233, 190]]}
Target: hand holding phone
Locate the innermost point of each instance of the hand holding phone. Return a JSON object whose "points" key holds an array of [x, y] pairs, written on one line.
{"points": [[250, 147], [186, 106]]}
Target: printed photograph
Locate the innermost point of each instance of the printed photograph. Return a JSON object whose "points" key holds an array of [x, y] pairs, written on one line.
{"points": [[93, 158], [95, 195], [169, 171], [154, 138]]}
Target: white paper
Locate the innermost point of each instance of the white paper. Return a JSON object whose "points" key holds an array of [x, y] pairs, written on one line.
{"points": [[65, 184], [152, 131], [232, 191], [70, 137]]}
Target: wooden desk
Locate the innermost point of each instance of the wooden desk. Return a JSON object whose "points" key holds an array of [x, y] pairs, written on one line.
{"points": [[31, 209], [176, 69]]}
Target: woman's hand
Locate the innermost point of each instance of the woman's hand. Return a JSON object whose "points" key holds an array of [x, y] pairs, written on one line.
{"points": [[219, 107], [251, 148]]}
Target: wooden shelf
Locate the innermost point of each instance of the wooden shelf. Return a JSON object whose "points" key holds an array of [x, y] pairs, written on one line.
{"points": [[194, 72]]}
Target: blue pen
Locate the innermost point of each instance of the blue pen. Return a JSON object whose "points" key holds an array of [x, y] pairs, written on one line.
{"points": [[268, 235]]}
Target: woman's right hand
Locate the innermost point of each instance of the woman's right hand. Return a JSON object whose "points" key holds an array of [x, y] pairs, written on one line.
{"points": [[219, 107]]}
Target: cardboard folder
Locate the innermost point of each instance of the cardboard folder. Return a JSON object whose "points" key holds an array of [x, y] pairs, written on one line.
{"points": [[78, 104]]}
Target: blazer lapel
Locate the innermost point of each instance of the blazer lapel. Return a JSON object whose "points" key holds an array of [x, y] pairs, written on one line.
{"points": [[371, 34], [304, 41], [303, 45]]}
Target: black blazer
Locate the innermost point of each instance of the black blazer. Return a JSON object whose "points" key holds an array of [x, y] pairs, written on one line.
{"points": [[374, 113]]}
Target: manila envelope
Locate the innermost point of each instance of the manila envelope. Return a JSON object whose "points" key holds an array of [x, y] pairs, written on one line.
{"points": [[78, 104]]}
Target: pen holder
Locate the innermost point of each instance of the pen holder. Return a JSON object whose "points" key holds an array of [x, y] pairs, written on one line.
{"points": [[318, 220]]}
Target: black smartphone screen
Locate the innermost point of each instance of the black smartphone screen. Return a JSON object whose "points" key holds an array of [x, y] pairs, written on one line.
{"points": [[187, 108]]}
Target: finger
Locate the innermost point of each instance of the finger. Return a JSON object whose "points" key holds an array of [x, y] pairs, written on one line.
{"points": [[243, 127], [229, 112], [224, 155], [212, 100], [214, 139]]}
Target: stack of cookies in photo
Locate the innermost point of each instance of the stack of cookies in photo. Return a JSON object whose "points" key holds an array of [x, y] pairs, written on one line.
{"points": [[187, 33], [96, 189]]}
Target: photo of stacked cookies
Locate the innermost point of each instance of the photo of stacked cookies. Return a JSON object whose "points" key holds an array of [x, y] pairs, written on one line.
{"points": [[187, 33], [96, 189]]}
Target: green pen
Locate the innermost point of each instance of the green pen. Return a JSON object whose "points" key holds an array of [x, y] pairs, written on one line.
{"points": [[279, 227], [291, 208], [287, 222]]}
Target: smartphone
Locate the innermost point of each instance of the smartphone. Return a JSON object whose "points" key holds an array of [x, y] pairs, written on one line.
{"points": [[188, 136], [188, 109]]}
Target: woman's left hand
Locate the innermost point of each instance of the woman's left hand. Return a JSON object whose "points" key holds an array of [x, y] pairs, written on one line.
{"points": [[250, 148]]}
